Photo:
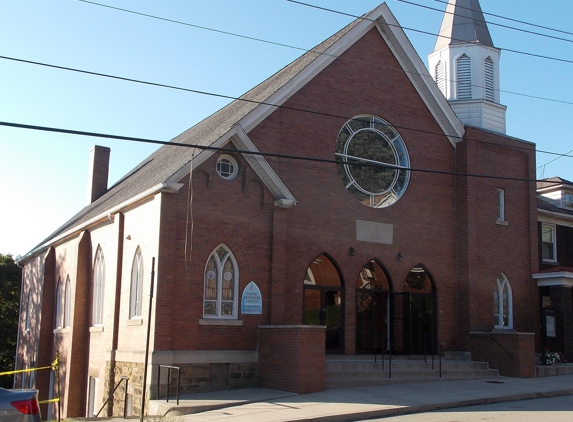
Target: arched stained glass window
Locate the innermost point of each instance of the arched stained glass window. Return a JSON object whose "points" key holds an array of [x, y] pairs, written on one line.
{"points": [[221, 284], [59, 305], [502, 303]]}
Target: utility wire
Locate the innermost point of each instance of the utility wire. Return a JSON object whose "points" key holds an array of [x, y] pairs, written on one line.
{"points": [[259, 153], [484, 21], [425, 32], [305, 49], [242, 98], [512, 20]]}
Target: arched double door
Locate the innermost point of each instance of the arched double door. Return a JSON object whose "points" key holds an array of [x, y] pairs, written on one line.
{"points": [[404, 320]]}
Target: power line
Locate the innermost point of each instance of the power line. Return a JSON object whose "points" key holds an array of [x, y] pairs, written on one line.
{"points": [[305, 49], [484, 21], [425, 32], [512, 20], [229, 97], [259, 153]]}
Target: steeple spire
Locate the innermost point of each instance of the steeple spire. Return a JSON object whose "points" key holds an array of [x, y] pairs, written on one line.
{"points": [[465, 66], [463, 23]]}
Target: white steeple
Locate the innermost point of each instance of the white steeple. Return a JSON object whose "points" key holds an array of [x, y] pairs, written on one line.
{"points": [[465, 65]]}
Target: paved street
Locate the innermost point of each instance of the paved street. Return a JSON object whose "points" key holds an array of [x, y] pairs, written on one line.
{"points": [[553, 409]]}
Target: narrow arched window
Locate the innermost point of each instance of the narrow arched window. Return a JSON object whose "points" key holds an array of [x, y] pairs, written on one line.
{"points": [[29, 312], [98, 288], [489, 77], [136, 295], [221, 285], [464, 78], [441, 77], [67, 303], [59, 305], [502, 303]]}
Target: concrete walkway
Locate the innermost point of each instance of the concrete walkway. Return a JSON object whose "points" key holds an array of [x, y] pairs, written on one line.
{"points": [[351, 404]]}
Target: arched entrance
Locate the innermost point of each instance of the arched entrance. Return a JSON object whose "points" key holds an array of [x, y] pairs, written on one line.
{"points": [[415, 319], [373, 289], [323, 301]]}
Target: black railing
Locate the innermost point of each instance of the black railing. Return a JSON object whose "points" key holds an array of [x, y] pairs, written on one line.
{"points": [[124, 397], [169, 368], [389, 347], [504, 349], [434, 343]]}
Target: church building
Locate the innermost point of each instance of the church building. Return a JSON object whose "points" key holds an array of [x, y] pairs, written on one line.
{"points": [[352, 203]]}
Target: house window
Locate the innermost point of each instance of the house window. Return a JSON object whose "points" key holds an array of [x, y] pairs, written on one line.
{"points": [[67, 303], [502, 303], [500, 205], [221, 285], [227, 167], [489, 94], [568, 200], [548, 251], [135, 296], [99, 284], [59, 305], [464, 78]]}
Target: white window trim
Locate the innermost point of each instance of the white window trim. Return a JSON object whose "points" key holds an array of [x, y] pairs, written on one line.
{"points": [[232, 162], [67, 303], [230, 256], [136, 286], [28, 323], [501, 207], [501, 282], [98, 288], [554, 243], [59, 305]]}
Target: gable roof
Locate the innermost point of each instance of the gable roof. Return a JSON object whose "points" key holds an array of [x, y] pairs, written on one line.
{"points": [[463, 23], [553, 183], [162, 170]]}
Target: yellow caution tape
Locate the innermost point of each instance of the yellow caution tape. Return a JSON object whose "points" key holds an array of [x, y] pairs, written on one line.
{"points": [[53, 367], [49, 401]]}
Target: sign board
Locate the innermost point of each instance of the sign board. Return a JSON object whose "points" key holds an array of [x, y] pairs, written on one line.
{"points": [[550, 326], [251, 301]]}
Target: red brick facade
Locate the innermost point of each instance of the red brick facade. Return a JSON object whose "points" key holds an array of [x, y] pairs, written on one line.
{"points": [[445, 223]]}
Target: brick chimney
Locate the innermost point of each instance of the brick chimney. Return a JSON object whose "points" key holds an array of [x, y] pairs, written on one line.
{"points": [[98, 172]]}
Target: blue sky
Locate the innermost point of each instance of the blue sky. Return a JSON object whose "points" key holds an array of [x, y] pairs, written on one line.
{"points": [[43, 176]]}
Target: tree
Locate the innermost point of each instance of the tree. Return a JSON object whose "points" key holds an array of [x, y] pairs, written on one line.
{"points": [[10, 278]]}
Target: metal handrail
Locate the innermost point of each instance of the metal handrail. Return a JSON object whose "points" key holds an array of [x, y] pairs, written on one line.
{"points": [[391, 346], [169, 368], [434, 340], [126, 379]]}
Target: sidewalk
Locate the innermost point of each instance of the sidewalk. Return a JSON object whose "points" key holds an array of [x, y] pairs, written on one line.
{"points": [[350, 404]]}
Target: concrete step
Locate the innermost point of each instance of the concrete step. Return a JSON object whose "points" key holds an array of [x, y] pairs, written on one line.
{"points": [[354, 371]]}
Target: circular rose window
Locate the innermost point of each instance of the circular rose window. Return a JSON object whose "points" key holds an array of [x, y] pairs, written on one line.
{"points": [[372, 161]]}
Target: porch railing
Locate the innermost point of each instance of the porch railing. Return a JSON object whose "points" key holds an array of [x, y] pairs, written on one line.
{"points": [[124, 397], [389, 347], [434, 342], [169, 368]]}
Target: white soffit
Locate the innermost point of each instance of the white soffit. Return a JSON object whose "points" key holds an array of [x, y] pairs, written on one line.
{"points": [[562, 278]]}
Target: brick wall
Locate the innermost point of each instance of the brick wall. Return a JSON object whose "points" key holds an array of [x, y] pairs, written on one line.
{"points": [[291, 358], [512, 353]]}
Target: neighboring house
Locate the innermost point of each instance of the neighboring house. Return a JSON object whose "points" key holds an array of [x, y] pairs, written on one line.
{"points": [[555, 279], [262, 264]]}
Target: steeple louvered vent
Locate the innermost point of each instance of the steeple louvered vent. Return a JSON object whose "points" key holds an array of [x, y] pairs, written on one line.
{"points": [[464, 78], [441, 77], [489, 79]]}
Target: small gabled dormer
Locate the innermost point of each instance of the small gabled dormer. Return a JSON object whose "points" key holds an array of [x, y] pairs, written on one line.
{"points": [[556, 191], [465, 66]]}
